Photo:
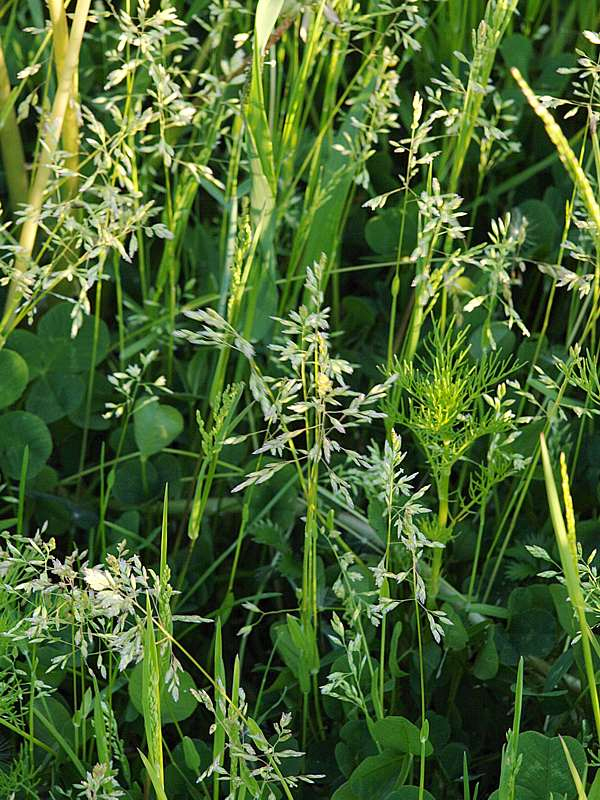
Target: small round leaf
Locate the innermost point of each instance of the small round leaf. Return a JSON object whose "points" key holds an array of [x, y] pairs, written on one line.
{"points": [[18, 430], [14, 376], [55, 395], [155, 426], [171, 710]]}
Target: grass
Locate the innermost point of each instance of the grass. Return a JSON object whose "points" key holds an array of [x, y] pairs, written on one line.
{"points": [[298, 400]]}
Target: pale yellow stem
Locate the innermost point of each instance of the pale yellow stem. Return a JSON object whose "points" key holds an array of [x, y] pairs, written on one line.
{"points": [[11, 145], [50, 138], [70, 131]]}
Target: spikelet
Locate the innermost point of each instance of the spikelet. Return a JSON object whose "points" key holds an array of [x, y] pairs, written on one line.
{"points": [[565, 153], [569, 513]]}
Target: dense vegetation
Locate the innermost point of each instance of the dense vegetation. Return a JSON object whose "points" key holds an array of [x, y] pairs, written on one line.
{"points": [[298, 399]]}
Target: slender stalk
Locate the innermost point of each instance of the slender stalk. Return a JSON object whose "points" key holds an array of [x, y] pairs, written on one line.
{"points": [[70, 131], [436, 567], [421, 679], [50, 140], [11, 145], [567, 546]]}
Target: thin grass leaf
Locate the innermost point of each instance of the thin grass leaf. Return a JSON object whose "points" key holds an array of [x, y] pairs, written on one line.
{"points": [[220, 707], [511, 761], [11, 144], [581, 795], [567, 547], [154, 777], [565, 153], [151, 705], [102, 743]]}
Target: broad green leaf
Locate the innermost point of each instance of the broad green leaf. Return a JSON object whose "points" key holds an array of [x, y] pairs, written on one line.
{"points": [[191, 754], [55, 395], [136, 482], [267, 12], [517, 51], [14, 375], [20, 429], [543, 230], [382, 231], [533, 632], [487, 661], [544, 769], [503, 337], [170, 710], [456, 636], [33, 348], [359, 313], [564, 608], [155, 425], [187, 760], [399, 735], [102, 392], [345, 792], [355, 745], [377, 775], [56, 729], [409, 793], [298, 649], [49, 710], [67, 353]]}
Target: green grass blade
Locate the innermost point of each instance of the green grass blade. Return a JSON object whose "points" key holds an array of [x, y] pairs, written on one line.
{"points": [[581, 795], [567, 547], [151, 705], [565, 153]]}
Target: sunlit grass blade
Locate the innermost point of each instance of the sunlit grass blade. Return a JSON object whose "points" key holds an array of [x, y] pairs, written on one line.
{"points": [[50, 140], [567, 547], [151, 706], [565, 153], [70, 131], [263, 180], [581, 795]]}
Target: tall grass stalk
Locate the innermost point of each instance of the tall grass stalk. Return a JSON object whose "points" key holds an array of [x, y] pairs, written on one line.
{"points": [[70, 129], [581, 795], [50, 140], [487, 39], [11, 144], [566, 539], [573, 167], [511, 762], [565, 152], [151, 688]]}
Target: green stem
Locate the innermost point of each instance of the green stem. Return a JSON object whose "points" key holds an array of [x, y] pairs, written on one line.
{"points": [[436, 567]]}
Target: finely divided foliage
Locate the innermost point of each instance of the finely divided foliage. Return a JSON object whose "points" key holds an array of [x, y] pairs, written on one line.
{"points": [[299, 390]]}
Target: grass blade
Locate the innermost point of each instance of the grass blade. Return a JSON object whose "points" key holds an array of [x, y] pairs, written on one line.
{"points": [[151, 707], [565, 153], [567, 546]]}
